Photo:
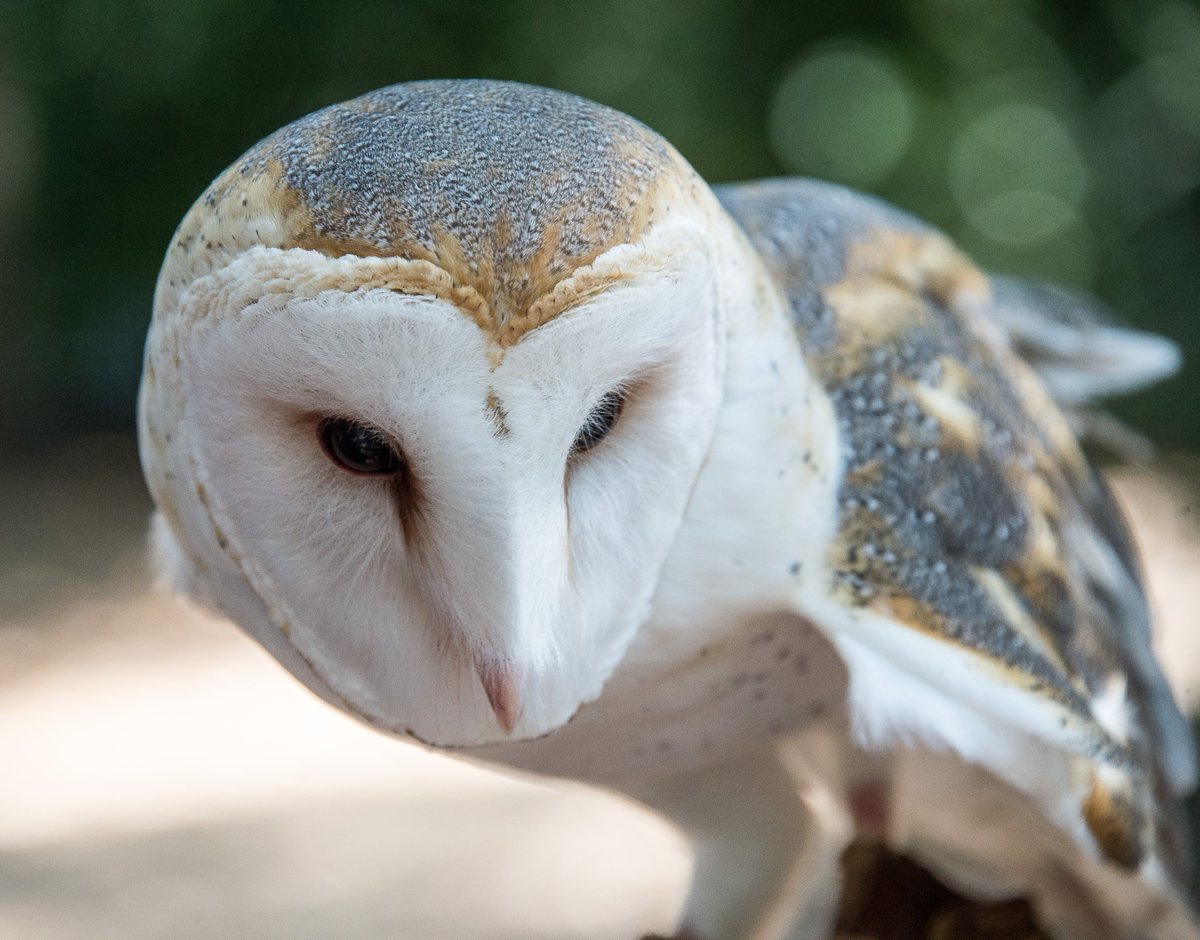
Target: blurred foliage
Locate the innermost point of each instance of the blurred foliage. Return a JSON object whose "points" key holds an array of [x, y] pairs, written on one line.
{"points": [[1058, 140]]}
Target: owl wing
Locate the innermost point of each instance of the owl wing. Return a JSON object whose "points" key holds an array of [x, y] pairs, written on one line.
{"points": [[1082, 353], [1079, 349], [967, 511]]}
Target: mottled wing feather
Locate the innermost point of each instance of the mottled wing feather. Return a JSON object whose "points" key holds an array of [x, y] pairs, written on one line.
{"points": [[967, 509]]}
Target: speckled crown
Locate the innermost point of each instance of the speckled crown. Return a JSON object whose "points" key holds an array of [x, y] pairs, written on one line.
{"points": [[507, 188]]}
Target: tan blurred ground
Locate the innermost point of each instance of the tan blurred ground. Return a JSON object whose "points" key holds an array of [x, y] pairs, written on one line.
{"points": [[161, 777]]}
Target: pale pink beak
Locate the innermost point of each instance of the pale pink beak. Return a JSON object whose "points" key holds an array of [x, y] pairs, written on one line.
{"points": [[503, 692]]}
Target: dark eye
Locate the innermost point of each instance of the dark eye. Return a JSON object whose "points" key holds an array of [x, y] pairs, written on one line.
{"points": [[600, 421], [358, 448]]}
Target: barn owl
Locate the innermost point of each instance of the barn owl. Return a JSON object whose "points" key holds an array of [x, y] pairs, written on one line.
{"points": [[506, 433]]}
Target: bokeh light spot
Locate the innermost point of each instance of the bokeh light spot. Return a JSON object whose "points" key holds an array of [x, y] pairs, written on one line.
{"points": [[1174, 64], [1015, 218], [1017, 174], [844, 114]]}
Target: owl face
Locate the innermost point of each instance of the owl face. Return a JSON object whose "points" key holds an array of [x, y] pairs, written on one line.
{"points": [[458, 538]]}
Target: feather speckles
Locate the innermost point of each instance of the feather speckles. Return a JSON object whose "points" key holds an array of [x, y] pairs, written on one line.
{"points": [[937, 500], [469, 178], [497, 414]]}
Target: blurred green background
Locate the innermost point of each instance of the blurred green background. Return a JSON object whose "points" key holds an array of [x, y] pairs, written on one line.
{"points": [[1054, 139], [1057, 140]]}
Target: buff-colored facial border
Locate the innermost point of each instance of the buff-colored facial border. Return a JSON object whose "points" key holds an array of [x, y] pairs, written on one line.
{"points": [[261, 272]]}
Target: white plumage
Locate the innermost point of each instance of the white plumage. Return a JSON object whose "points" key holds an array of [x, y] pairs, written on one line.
{"points": [[479, 410]]}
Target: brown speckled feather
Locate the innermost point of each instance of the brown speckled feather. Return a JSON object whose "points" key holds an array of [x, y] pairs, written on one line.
{"points": [[967, 509]]}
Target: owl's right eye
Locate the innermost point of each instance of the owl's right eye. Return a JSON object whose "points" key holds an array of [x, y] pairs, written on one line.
{"points": [[358, 448], [600, 422]]}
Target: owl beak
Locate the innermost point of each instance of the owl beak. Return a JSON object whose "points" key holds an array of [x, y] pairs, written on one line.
{"points": [[502, 687]]}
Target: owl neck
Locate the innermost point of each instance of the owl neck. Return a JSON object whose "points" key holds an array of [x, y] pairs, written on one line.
{"points": [[754, 535]]}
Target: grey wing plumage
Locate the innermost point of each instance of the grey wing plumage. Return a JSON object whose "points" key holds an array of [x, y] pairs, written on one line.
{"points": [[986, 525], [1082, 352]]}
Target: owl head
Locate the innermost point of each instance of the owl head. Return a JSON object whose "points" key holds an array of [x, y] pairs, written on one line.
{"points": [[430, 378]]}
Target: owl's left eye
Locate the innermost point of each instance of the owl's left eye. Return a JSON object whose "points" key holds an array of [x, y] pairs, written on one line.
{"points": [[600, 421], [358, 448]]}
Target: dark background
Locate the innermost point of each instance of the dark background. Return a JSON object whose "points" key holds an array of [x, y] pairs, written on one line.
{"points": [[1058, 140]]}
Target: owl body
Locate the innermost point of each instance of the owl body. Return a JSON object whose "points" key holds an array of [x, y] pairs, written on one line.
{"points": [[502, 431]]}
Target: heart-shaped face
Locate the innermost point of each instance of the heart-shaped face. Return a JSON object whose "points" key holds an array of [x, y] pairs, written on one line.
{"points": [[435, 460]]}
